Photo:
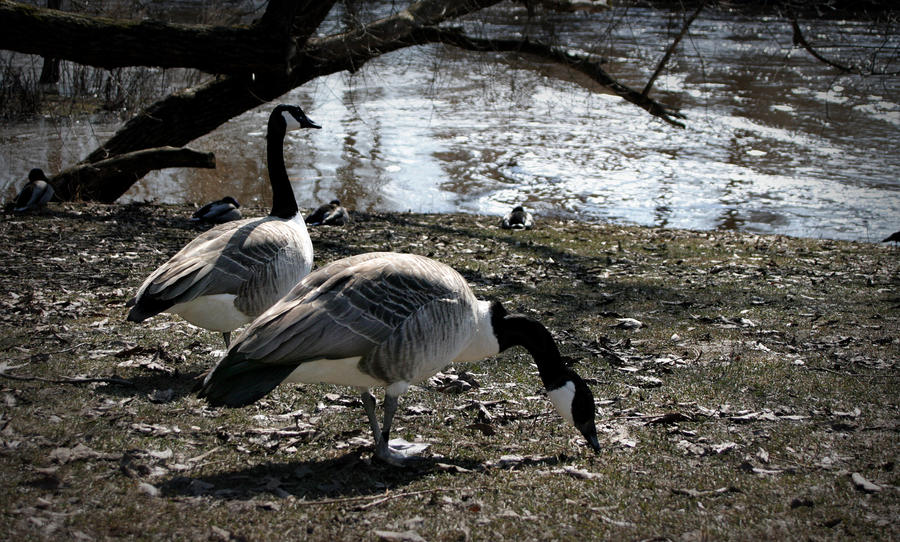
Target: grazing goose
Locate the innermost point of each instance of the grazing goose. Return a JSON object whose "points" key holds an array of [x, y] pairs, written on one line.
{"points": [[35, 194], [230, 274], [329, 214], [517, 219], [219, 211], [391, 320]]}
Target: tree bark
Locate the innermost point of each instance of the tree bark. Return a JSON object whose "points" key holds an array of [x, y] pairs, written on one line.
{"points": [[118, 174], [110, 43], [50, 68]]}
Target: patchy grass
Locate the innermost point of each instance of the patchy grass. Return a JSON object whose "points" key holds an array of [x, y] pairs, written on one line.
{"points": [[763, 376]]}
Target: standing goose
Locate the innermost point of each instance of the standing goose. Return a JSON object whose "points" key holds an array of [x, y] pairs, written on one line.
{"points": [[329, 214], [230, 274], [517, 219], [219, 211], [35, 194], [390, 320]]}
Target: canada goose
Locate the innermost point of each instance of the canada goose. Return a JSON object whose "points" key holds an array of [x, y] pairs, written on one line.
{"points": [[219, 211], [517, 219], [230, 274], [329, 214], [391, 320], [35, 194], [892, 238]]}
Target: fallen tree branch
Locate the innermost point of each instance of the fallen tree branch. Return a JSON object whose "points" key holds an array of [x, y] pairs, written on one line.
{"points": [[99, 181]]}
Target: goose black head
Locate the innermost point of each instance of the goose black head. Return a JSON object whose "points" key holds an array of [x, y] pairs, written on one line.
{"points": [[231, 200], [574, 401], [289, 117], [37, 174], [567, 391]]}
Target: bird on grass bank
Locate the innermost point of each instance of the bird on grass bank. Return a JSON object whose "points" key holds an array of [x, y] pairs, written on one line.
{"points": [[517, 219], [232, 273], [36, 192], [892, 238], [219, 211], [388, 320], [329, 214]]}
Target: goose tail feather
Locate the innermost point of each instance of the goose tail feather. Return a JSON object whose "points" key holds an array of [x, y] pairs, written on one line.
{"points": [[237, 383]]}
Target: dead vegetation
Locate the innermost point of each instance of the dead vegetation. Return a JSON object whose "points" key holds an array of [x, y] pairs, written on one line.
{"points": [[746, 386]]}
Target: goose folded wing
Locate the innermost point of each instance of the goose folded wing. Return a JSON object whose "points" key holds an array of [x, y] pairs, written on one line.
{"points": [[220, 261]]}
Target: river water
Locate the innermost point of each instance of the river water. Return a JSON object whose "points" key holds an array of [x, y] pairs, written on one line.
{"points": [[775, 142]]}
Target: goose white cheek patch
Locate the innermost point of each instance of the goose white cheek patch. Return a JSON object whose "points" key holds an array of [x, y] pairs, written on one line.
{"points": [[561, 398], [289, 121]]}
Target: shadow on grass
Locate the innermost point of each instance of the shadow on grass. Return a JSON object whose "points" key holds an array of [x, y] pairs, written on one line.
{"points": [[344, 477]]}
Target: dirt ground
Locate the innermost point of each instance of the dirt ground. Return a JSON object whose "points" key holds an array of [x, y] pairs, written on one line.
{"points": [[746, 385]]}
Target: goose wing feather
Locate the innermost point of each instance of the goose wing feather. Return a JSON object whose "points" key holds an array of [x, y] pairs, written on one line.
{"points": [[233, 258], [400, 313]]}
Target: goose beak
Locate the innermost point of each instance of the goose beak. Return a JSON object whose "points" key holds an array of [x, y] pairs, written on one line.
{"points": [[589, 430]]}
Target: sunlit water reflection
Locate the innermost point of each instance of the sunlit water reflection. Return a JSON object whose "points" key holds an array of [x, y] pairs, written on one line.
{"points": [[775, 142]]}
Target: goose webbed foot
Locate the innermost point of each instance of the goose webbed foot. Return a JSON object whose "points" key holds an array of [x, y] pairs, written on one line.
{"points": [[391, 456], [395, 452]]}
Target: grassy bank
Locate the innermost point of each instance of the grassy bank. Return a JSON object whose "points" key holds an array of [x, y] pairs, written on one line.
{"points": [[758, 397]]}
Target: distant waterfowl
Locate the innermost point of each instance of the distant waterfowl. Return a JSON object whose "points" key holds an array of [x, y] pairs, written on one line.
{"points": [[892, 238], [329, 214], [35, 194], [517, 219], [219, 211], [387, 320], [233, 272]]}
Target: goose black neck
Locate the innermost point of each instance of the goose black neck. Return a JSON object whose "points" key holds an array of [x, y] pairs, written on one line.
{"points": [[518, 330], [284, 205]]}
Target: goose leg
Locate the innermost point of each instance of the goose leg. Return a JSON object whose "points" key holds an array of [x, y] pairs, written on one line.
{"points": [[382, 450], [369, 405], [390, 407], [227, 336]]}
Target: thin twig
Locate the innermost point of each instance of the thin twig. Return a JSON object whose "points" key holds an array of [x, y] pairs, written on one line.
{"points": [[69, 380], [671, 49], [378, 499]]}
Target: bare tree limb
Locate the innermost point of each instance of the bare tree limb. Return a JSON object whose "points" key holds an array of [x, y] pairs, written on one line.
{"points": [[110, 43], [90, 180], [671, 49], [581, 63], [800, 40]]}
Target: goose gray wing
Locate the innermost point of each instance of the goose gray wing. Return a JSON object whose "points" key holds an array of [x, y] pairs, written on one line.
{"points": [[394, 311], [254, 259]]}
